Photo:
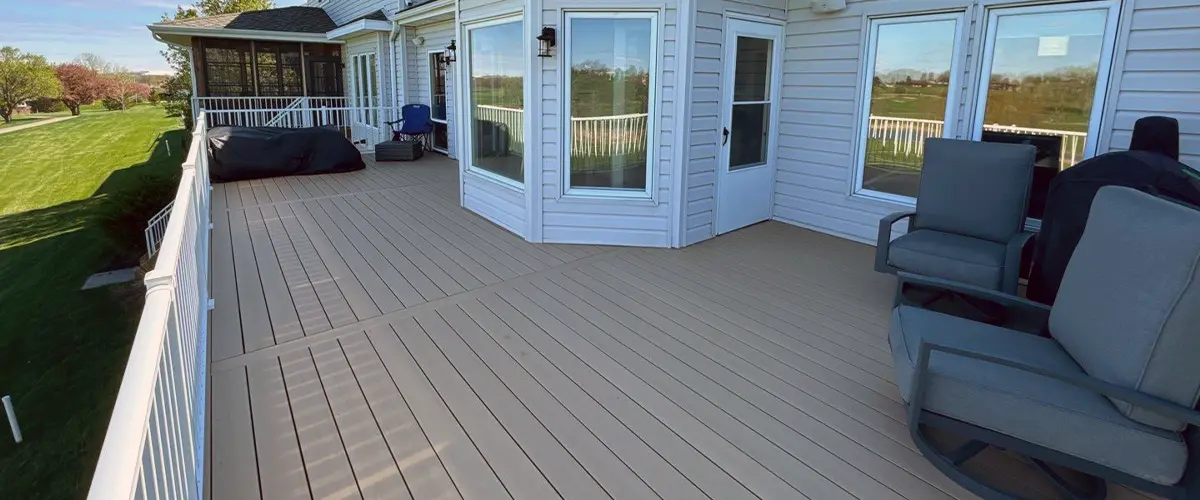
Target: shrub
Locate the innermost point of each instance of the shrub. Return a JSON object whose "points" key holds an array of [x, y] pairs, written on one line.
{"points": [[111, 104], [126, 212], [47, 105]]}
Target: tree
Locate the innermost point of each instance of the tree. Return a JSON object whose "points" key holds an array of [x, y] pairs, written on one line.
{"points": [[123, 89], [177, 91], [80, 85], [23, 76], [94, 62]]}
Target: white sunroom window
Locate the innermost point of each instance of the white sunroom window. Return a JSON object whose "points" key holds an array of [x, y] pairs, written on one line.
{"points": [[611, 77], [910, 93]]}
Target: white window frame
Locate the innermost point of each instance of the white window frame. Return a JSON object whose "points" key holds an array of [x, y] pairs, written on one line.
{"points": [[950, 119], [1103, 75], [363, 104], [431, 77], [652, 135], [464, 58]]}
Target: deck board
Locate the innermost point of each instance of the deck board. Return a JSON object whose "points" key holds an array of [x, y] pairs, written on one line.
{"points": [[373, 339]]}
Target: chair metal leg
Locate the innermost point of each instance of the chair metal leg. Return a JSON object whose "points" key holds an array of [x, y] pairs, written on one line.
{"points": [[1099, 487]]}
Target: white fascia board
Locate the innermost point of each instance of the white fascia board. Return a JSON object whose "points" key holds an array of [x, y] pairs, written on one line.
{"points": [[359, 27], [424, 11], [274, 36]]}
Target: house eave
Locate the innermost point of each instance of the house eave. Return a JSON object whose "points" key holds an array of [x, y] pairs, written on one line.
{"points": [[424, 12], [359, 27], [169, 32]]}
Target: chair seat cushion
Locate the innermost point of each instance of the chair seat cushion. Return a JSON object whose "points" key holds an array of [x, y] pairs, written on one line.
{"points": [[1027, 406], [949, 256]]}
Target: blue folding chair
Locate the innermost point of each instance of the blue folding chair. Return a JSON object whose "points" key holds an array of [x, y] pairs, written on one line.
{"points": [[415, 124]]}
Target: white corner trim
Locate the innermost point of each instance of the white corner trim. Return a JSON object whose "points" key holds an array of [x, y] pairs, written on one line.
{"points": [[533, 122], [684, 51], [357, 28], [273, 36]]}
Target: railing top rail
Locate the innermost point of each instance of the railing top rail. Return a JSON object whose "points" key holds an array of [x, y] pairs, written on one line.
{"points": [[218, 112], [1015, 128], [488, 106], [906, 120], [263, 98], [603, 118]]}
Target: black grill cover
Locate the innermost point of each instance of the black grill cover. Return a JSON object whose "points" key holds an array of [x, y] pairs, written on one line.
{"points": [[243, 153], [1070, 201]]}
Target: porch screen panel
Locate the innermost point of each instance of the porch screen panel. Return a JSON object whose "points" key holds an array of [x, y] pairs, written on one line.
{"points": [[228, 71], [279, 72], [909, 83], [612, 59], [324, 70], [497, 99]]}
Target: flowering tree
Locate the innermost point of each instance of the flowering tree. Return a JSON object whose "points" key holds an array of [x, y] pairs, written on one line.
{"points": [[80, 85], [123, 89]]}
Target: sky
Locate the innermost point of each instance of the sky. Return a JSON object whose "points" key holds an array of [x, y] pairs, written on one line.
{"points": [[113, 29]]}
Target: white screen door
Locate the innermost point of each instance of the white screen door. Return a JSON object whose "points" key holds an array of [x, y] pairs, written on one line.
{"points": [[365, 116], [750, 114]]}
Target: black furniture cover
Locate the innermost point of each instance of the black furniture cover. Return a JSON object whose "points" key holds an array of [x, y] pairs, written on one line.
{"points": [[243, 153], [1070, 201]]}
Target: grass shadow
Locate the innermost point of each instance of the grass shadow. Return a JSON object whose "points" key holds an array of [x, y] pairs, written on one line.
{"points": [[64, 348]]}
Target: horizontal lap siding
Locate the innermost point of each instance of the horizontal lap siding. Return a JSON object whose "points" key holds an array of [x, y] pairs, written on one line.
{"points": [[344, 11], [1160, 73], [500, 204], [635, 223], [704, 130]]}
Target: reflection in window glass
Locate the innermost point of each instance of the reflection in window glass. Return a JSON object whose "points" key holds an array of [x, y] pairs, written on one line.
{"points": [[909, 88], [751, 119], [497, 97], [612, 61], [1042, 84]]}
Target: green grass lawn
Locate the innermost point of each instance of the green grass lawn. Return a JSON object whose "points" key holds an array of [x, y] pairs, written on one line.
{"points": [[62, 350], [30, 118]]}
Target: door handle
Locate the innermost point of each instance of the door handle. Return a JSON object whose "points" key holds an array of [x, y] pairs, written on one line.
{"points": [[725, 133]]}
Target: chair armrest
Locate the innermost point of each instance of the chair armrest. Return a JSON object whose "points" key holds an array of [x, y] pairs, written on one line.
{"points": [[1012, 262], [1077, 379], [883, 244]]}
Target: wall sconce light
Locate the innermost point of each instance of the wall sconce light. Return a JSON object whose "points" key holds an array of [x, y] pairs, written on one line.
{"points": [[418, 40], [548, 40], [450, 54]]}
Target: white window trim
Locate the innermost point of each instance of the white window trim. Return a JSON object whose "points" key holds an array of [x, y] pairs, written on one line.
{"points": [[1103, 74], [464, 58], [652, 136], [867, 86], [432, 74]]}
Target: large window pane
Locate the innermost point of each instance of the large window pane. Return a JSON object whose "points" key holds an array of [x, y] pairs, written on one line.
{"points": [[612, 63], [497, 96], [909, 86], [1043, 79], [437, 85], [750, 122]]}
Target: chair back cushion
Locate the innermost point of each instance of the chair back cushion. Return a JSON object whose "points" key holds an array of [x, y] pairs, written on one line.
{"points": [[1129, 307], [976, 189], [417, 119]]}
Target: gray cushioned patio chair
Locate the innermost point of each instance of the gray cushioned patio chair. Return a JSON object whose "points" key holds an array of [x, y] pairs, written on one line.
{"points": [[1110, 395], [969, 222]]}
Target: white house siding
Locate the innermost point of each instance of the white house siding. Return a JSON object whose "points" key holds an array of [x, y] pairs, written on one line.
{"points": [[417, 87], [496, 202], [1159, 73], [344, 11], [610, 222], [704, 129], [1156, 71]]}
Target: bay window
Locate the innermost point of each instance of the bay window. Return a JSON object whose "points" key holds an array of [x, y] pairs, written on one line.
{"points": [[611, 77], [496, 99]]}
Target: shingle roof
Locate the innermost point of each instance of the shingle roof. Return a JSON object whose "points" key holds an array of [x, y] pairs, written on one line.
{"points": [[378, 15], [290, 19]]}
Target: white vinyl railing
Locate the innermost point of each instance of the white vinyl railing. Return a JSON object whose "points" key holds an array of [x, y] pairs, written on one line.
{"points": [[156, 229], [265, 109], [154, 447], [365, 126], [513, 121], [905, 137]]}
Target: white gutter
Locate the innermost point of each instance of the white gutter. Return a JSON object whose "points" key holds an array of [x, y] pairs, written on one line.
{"points": [[358, 27], [274, 36]]}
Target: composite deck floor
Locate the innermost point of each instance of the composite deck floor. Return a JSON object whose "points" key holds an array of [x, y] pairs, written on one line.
{"points": [[372, 339]]}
